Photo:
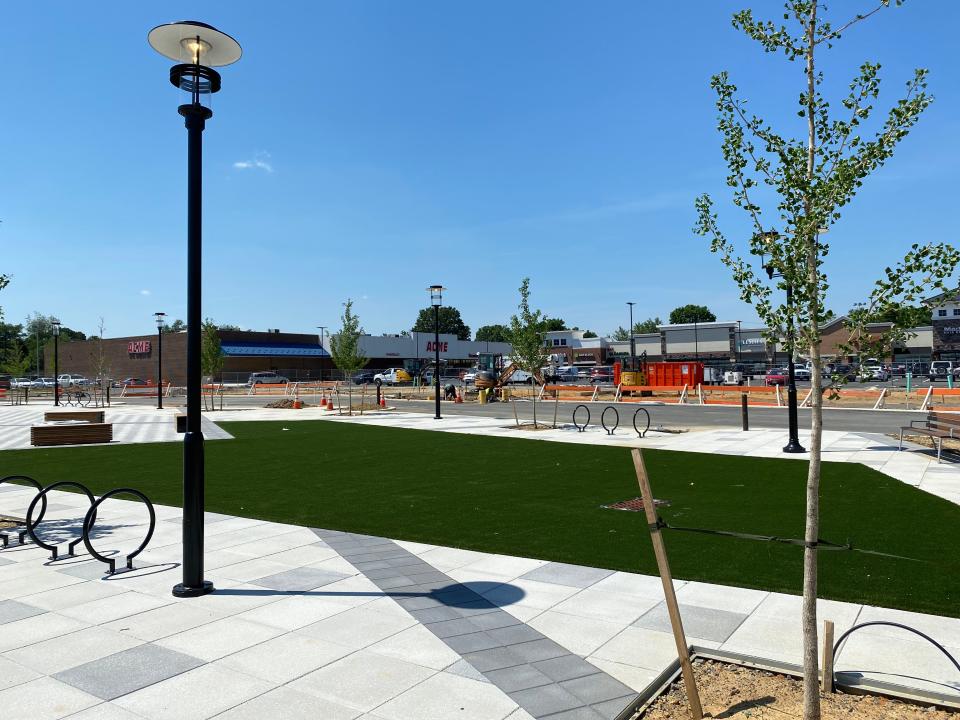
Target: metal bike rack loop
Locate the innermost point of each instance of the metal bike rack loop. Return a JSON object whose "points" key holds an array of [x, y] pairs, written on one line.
{"points": [[581, 428], [22, 534], [91, 518], [637, 412], [54, 555], [603, 420]]}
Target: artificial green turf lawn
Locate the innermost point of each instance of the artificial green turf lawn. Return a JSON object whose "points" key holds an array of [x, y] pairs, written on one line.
{"points": [[543, 500]]}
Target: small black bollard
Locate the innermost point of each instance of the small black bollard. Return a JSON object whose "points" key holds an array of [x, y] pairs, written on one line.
{"points": [[743, 412]]}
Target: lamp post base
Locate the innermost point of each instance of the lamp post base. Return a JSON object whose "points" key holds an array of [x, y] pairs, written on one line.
{"points": [[794, 446], [182, 591]]}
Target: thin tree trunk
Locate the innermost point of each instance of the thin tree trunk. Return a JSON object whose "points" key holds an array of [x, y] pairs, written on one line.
{"points": [[811, 674]]}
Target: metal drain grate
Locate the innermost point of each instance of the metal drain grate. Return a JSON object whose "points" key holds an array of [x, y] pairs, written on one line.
{"points": [[635, 505]]}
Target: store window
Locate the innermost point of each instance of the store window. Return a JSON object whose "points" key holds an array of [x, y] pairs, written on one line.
{"points": [[941, 313], [956, 311]]}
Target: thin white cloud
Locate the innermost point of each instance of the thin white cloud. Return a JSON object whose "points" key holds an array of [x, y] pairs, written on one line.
{"points": [[144, 292], [260, 161]]}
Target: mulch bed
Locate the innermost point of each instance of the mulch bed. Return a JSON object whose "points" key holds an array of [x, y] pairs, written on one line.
{"points": [[733, 692]]}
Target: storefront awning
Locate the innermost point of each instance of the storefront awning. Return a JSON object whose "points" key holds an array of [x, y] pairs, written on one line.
{"points": [[239, 349]]}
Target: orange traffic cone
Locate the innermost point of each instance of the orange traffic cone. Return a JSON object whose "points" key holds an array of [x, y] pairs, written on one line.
{"points": [[383, 401]]}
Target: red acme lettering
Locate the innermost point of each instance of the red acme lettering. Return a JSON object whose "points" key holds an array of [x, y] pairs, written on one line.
{"points": [[138, 347]]}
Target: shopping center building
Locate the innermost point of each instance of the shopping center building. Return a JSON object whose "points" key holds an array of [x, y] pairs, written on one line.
{"points": [[294, 355]]}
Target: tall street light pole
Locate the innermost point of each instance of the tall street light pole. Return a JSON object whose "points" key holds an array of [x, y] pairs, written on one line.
{"points": [[321, 328], [739, 340], [436, 299], [633, 345], [55, 324], [160, 323], [188, 42]]}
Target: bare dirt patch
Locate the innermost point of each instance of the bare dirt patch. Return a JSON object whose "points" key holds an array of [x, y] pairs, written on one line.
{"points": [[737, 693], [285, 404]]}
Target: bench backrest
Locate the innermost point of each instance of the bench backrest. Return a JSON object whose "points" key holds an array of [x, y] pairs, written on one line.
{"points": [[949, 420]]}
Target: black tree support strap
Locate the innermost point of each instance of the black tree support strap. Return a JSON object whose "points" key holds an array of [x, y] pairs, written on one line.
{"points": [[818, 544]]}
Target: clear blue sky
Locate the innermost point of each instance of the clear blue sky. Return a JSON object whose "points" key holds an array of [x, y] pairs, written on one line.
{"points": [[369, 149]]}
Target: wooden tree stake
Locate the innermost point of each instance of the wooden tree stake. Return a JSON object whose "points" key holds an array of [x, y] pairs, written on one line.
{"points": [[827, 684], [693, 696]]}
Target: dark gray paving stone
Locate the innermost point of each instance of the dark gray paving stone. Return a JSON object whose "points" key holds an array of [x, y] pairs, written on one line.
{"points": [[409, 561], [299, 579], [420, 602], [375, 565], [520, 677], [471, 642], [596, 688], [514, 634], [565, 667], [545, 700], [452, 628], [584, 713], [537, 650], [566, 574], [613, 708], [492, 620], [472, 608], [332, 534], [383, 574], [493, 659], [392, 583], [86, 569], [698, 622], [436, 614], [11, 611], [128, 671], [421, 576]]}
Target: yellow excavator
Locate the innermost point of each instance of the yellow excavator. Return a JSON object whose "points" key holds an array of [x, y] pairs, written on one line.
{"points": [[492, 373]]}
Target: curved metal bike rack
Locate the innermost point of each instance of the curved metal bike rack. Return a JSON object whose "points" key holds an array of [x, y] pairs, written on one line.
{"points": [[581, 428], [941, 648], [637, 412], [603, 421], [91, 518], [32, 525], [22, 534]]}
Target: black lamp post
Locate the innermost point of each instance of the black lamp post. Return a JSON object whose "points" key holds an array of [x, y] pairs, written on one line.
{"points": [[188, 42], [793, 444], [321, 328], [160, 324], [436, 299], [633, 345], [739, 341], [55, 325]]}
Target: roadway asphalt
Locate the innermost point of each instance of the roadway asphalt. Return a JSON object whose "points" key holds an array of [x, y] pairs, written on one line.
{"points": [[676, 416]]}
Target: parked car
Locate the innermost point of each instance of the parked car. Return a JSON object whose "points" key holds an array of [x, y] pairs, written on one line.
{"points": [[21, 382], [133, 381], [72, 379], [392, 376], [845, 372], [733, 377], [601, 375], [564, 373], [364, 377], [42, 382], [469, 377], [919, 368], [802, 373], [939, 369], [266, 378], [521, 376], [775, 376], [5, 382], [876, 373]]}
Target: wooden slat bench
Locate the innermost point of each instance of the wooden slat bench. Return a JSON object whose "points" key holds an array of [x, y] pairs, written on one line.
{"points": [[72, 434], [91, 416], [936, 425]]}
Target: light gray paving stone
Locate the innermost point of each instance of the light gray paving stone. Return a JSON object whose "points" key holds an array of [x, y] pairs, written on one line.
{"points": [[208, 517], [299, 579], [464, 669], [11, 611], [565, 574], [125, 672], [4, 561], [285, 703], [88, 569], [698, 622]]}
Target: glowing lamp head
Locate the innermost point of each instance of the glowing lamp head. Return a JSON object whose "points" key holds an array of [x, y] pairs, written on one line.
{"points": [[436, 294]]}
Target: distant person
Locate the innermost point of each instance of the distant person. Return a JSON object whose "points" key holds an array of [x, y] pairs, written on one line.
{"points": [[450, 391]]}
